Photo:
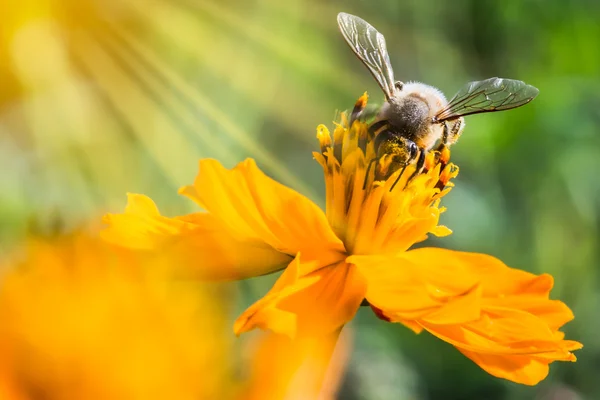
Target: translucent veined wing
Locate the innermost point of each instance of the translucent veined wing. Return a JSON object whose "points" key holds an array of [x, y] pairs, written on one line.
{"points": [[369, 46], [493, 94]]}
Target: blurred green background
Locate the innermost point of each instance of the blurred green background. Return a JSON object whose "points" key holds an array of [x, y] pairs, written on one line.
{"points": [[100, 98]]}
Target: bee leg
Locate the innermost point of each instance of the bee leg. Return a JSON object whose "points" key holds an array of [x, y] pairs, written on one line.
{"points": [[448, 138], [443, 149], [450, 135], [418, 167], [455, 132], [420, 163], [445, 134], [399, 176]]}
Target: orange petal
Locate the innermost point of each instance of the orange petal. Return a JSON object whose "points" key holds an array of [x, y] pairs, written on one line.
{"points": [[496, 277], [553, 312], [141, 226], [196, 245], [502, 286], [300, 368], [510, 344], [403, 289], [255, 206], [307, 299], [500, 331], [519, 369], [508, 326]]}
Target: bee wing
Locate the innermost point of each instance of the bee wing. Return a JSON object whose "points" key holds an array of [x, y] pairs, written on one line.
{"points": [[493, 94], [369, 46]]}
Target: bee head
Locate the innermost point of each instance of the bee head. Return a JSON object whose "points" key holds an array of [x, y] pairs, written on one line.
{"points": [[402, 150]]}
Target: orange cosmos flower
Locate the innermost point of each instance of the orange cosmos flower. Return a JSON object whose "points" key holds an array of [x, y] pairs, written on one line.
{"points": [[359, 249]]}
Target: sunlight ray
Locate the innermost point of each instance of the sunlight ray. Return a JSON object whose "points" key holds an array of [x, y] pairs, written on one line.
{"points": [[301, 54], [155, 131], [220, 117]]}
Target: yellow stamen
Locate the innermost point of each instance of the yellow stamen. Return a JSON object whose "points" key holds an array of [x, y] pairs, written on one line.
{"points": [[362, 101], [375, 204]]}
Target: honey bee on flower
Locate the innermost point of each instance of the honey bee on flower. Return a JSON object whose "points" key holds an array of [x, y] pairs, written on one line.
{"points": [[415, 116], [359, 250]]}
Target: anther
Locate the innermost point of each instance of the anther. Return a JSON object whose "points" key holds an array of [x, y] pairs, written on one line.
{"points": [[445, 175], [445, 155], [430, 161], [359, 107], [324, 138]]}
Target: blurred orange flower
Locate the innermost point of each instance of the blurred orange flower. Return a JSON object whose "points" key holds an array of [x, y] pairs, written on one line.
{"points": [[81, 321], [499, 317], [303, 368]]}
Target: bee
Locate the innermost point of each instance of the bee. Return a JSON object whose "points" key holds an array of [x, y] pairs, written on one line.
{"points": [[416, 116]]}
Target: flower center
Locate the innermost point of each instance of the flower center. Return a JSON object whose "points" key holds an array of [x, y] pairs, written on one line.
{"points": [[376, 204]]}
